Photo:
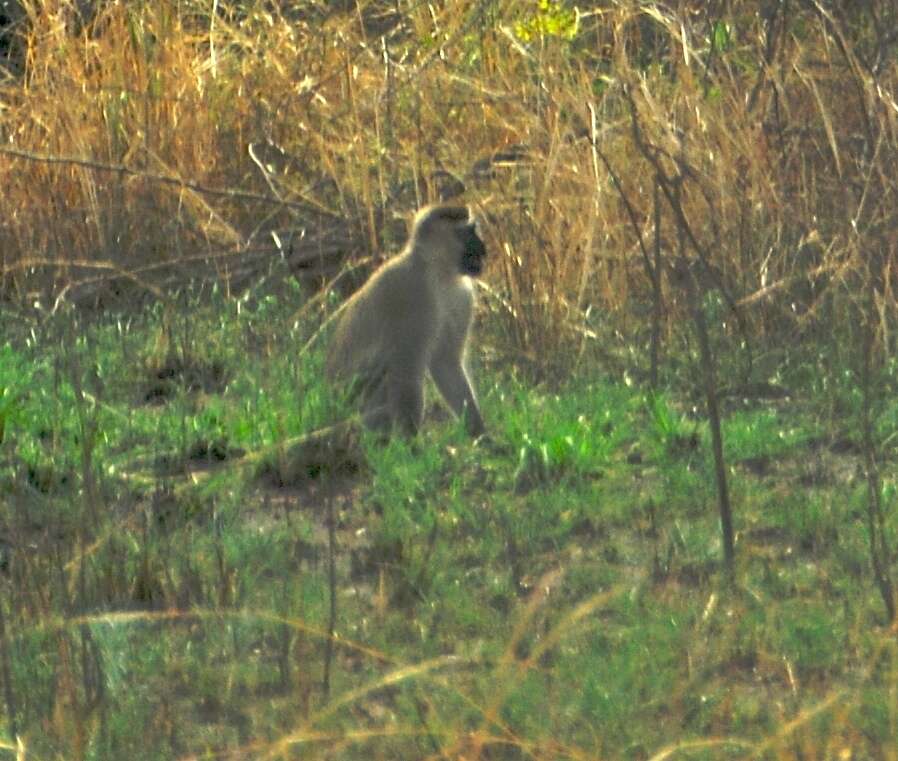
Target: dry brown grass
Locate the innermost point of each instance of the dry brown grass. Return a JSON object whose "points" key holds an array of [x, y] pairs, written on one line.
{"points": [[154, 137]]}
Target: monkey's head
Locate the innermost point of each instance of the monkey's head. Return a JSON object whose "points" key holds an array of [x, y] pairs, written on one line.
{"points": [[451, 231]]}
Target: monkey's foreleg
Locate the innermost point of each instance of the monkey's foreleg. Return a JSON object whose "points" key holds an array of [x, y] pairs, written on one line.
{"points": [[453, 383]]}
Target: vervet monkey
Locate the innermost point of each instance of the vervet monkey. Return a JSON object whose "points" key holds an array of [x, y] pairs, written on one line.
{"points": [[413, 317]]}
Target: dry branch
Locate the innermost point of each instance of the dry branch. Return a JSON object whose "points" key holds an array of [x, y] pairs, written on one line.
{"points": [[166, 179]]}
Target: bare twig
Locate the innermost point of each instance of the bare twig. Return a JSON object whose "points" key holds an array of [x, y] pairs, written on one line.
{"points": [[165, 179], [332, 589], [880, 551], [769, 290], [685, 275], [8, 691], [670, 186]]}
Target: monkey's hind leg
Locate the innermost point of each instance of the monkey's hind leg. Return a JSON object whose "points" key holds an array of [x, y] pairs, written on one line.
{"points": [[405, 403]]}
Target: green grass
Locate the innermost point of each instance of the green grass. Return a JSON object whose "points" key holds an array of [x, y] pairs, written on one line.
{"points": [[165, 600], [553, 592]]}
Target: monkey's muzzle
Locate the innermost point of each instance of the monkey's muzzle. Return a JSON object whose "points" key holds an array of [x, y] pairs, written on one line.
{"points": [[474, 253]]}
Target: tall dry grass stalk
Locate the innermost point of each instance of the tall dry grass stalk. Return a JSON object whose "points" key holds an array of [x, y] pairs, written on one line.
{"points": [[155, 135]]}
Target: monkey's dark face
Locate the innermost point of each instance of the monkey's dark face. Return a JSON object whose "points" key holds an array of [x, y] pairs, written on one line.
{"points": [[473, 250]]}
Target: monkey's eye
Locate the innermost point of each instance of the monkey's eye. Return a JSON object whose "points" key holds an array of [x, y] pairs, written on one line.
{"points": [[471, 241]]}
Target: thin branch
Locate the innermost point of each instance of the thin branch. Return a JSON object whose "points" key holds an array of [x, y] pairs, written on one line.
{"points": [[165, 179], [670, 187], [628, 206]]}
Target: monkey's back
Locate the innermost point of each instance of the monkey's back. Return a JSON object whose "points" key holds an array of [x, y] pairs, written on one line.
{"points": [[362, 345]]}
